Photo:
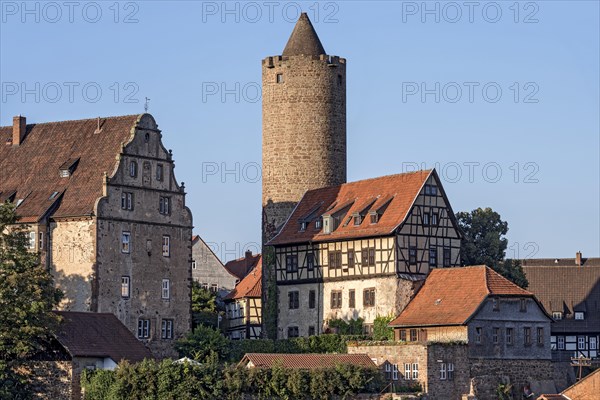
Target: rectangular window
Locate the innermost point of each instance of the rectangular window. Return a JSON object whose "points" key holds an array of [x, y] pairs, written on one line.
{"points": [[351, 298], [294, 300], [434, 219], [312, 299], [426, 219], [578, 314], [133, 169], [41, 241], [557, 315], [450, 371], [369, 297], [336, 299], [581, 342], [164, 205], [143, 328], [31, 242], [414, 335], [127, 201], [412, 255], [291, 263], [415, 371], [125, 286], [523, 305], [433, 257], [407, 374], [335, 259], [350, 258], [495, 304], [561, 342], [443, 375], [357, 219], [159, 172], [368, 256], [368, 329], [311, 330], [166, 246], [388, 371], [372, 256], [166, 289], [540, 336], [403, 335], [293, 332], [166, 331], [446, 257], [279, 78], [395, 372], [214, 287], [593, 343], [495, 335], [193, 264], [430, 190], [125, 242], [478, 335], [310, 261], [527, 336], [374, 218], [509, 336]]}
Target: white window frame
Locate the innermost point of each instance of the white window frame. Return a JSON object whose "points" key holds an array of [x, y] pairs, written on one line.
{"points": [[593, 343], [143, 328], [415, 371], [127, 201], [388, 371], [164, 205], [40, 240], [31, 242], [125, 286], [160, 172], [557, 315], [579, 315], [560, 342], [165, 292], [166, 331], [126, 242], [443, 375], [407, 373], [580, 342], [132, 169], [450, 371], [395, 372], [166, 246]]}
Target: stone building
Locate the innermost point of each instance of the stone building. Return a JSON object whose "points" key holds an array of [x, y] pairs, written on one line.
{"points": [[361, 250], [209, 271], [107, 217], [243, 306], [466, 331], [569, 289]]}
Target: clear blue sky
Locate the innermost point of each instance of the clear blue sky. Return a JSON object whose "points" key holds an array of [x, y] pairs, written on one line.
{"points": [[547, 130]]}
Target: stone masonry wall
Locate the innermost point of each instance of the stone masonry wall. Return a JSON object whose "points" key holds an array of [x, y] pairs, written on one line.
{"points": [[50, 380]]}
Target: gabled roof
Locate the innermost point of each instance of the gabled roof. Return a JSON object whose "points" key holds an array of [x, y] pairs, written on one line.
{"points": [[451, 296], [567, 289], [88, 334], [305, 361], [400, 191], [32, 168], [304, 39], [585, 388], [250, 286], [242, 266]]}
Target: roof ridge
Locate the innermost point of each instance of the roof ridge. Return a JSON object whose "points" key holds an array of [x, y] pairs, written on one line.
{"points": [[78, 120]]}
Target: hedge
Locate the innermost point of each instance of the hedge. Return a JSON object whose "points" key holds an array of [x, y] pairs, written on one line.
{"points": [[170, 381]]}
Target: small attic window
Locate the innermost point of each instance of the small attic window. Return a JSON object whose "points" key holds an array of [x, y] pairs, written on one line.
{"points": [[53, 195], [318, 223], [303, 225], [68, 167], [19, 201], [357, 219], [374, 217]]}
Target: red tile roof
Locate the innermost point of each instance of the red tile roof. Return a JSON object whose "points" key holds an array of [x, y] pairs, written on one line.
{"points": [[305, 361], [87, 334], [31, 169], [399, 190], [450, 296], [242, 266], [250, 286]]}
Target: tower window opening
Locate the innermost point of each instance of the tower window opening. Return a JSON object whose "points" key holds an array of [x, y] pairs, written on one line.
{"points": [[279, 78], [339, 80]]}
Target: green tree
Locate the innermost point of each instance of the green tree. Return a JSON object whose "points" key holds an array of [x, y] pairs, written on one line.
{"points": [[206, 307], [381, 330], [203, 343], [484, 243], [27, 297]]}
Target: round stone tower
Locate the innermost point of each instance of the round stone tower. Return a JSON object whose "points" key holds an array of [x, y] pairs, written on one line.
{"points": [[304, 124]]}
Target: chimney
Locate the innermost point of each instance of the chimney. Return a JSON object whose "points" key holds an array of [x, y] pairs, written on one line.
{"points": [[19, 128], [248, 258], [578, 258]]}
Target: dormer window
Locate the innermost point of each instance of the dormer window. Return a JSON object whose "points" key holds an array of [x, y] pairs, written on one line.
{"points": [[357, 219], [68, 167], [579, 315], [303, 226], [374, 218], [53, 195], [327, 224], [557, 315], [318, 223]]}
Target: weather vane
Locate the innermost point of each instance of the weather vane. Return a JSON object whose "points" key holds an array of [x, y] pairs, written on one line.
{"points": [[146, 104]]}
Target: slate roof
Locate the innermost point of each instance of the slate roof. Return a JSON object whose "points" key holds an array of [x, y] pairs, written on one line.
{"points": [[568, 289], [306, 361], [304, 39], [87, 334], [559, 262], [242, 266], [250, 286], [30, 171], [392, 196], [451, 296]]}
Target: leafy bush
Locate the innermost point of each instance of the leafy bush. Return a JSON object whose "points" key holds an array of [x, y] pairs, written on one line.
{"points": [[381, 330], [204, 342], [342, 327], [169, 381]]}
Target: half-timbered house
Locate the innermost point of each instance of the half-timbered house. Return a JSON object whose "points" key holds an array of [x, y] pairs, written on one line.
{"points": [[243, 312], [361, 250]]}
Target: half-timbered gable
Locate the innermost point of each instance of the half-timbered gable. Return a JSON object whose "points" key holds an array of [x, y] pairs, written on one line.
{"points": [[360, 250], [243, 312]]}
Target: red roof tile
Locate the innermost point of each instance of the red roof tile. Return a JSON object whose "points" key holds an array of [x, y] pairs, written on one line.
{"points": [[250, 286], [305, 361], [242, 266], [399, 190], [87, 334], [32, 168], [450, 296]]}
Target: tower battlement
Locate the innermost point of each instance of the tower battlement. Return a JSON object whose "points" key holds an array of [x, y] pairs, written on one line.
{"points": [[272, 61]]}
